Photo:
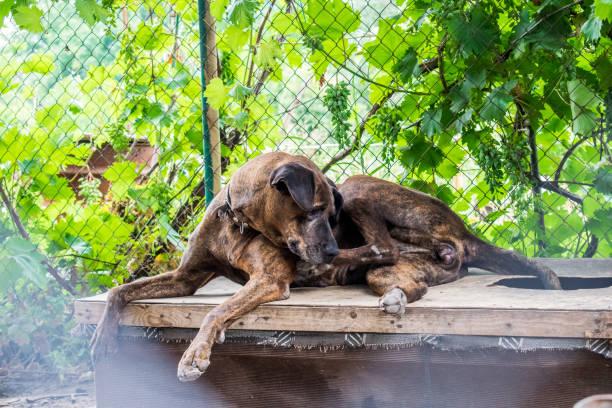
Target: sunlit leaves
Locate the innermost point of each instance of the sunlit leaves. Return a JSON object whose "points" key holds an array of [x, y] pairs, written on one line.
{"points": [[603, 9], [28, 18], [150, 38], [24, 258], [242, 12], [217, 8], [331, 19], [5, 9], [121, 174], [39, 63], [233, 38], [90, 11], [591, 28], [268, 54], [390, 44], [215, 93]]}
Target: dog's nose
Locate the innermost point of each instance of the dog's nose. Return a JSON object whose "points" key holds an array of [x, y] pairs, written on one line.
{"points": [[331, 249]]}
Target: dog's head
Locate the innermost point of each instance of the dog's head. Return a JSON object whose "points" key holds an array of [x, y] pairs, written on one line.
{"points": [[305, 210]]}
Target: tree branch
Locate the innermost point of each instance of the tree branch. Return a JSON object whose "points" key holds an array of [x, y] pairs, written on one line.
{"points": [[257, 40], [359, 131], [441, 63], [552, 186], [591, 249], [24, 234], [566, 156], [534, 167], [503, 57]]}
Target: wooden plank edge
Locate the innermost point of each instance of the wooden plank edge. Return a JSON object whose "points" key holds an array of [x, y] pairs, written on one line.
{"points": [[486, 322]]}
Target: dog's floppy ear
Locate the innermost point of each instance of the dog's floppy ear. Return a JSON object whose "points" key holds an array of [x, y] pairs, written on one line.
{"points": [[297, 181], [338, 200]]}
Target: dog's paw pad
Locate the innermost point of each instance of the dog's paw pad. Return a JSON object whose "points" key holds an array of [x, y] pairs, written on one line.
{"points": [[393, 302]]}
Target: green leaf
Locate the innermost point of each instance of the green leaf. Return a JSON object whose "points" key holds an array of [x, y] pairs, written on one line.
{"points": [[239, 92], [233, 39], [78, 244], [90, 11], [331, 19], [390, 44], [151, 38], [589, 206], [267, 54], [242, 13], [285, 24], [5, 9], [603, 180], [215, 93], [28, 259], [217, 8], [432, 122], [496, 102], [28, 18], [591, 28], [169, 233], [406, 67], [476, 34], [603, 68], [40, 63], [420, 154], [603, 9], [459, 96], [583, 102], [121, 174]]}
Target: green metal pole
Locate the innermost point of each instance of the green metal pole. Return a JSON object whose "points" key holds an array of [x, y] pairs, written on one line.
{"points": [[208, 170]]}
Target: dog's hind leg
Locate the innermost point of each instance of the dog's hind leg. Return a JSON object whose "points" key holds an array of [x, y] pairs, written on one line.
{"points": [[271, 270], [407, 281]]}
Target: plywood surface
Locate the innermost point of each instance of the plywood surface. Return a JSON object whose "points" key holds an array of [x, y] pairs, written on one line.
{"points": [[472, 305]]}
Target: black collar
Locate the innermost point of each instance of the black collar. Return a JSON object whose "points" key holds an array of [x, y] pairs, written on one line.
{"points": [[233, 215]]}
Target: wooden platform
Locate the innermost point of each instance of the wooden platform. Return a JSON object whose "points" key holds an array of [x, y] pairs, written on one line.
{"points": [[474, 305]]}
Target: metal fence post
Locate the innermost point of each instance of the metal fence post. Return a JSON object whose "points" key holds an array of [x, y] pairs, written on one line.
{"points": [[208, 168]]}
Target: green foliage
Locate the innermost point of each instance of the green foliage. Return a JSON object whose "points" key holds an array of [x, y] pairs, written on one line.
{"points": [[501, 109]]}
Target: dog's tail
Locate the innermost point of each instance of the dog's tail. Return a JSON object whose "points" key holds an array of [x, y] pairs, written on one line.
{"points": [[486, 256]]}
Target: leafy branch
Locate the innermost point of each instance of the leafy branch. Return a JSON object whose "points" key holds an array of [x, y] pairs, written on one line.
{"points": [[24, 234]]}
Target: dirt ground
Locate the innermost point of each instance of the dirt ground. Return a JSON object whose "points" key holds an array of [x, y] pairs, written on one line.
{"points": [[34, 389]]}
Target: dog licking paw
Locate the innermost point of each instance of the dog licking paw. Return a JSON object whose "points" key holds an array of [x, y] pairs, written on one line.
{"points": [[393, 302]]}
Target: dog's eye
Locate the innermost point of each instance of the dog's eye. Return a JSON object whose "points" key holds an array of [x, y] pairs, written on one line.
{"points": [[315, 213]]}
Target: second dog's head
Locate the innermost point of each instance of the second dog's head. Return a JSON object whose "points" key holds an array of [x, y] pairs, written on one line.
{"points": [[304, 207]]}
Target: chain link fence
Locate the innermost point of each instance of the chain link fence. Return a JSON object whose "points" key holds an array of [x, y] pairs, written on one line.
{"points": [[501, 109]]}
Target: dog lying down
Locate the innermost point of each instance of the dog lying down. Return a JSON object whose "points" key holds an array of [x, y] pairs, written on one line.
{"points": [[400, 241], [270, 227]]}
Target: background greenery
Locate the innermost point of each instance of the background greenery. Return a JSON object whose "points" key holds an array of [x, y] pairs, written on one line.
{"points": [[503, 109]]}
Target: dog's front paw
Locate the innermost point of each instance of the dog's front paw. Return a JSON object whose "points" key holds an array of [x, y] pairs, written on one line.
{"points": [[196, 358], [194, 362], [103, 343], [393, 302]]}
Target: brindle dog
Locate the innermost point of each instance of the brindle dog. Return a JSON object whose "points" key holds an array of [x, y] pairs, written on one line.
{"points": [[400, 241], [276, 209]]}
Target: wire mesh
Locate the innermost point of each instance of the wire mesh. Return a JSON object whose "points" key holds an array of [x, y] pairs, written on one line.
{"points": [[501, 109]]}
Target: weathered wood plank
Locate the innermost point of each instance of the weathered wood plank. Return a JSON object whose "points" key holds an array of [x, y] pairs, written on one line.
{"points": [[470, 306], [477, 291], [358, 319]]}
